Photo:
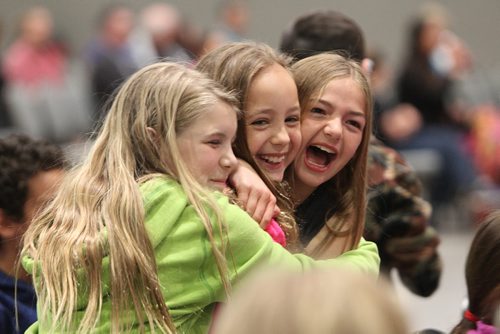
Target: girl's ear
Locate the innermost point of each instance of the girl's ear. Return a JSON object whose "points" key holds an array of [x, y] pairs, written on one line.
{"points": [[8, 228], [153, 135]]}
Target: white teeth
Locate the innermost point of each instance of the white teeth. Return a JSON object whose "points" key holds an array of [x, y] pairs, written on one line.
{"points": [[324, 149], [273, 159]]}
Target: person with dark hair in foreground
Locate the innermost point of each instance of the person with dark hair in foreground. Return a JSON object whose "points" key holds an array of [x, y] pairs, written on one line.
{"points": [[29, 172]]}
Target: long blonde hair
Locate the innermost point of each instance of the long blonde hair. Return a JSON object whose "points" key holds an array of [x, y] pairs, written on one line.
{"points": [[99, 209], [348, 187], [235, 65]]}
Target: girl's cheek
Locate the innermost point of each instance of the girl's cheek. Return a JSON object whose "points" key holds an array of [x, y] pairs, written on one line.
{"points": [[296, 138], [299, 137]]}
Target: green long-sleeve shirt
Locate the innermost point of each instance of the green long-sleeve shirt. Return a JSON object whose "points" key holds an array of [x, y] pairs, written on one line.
{"points": [[186, 268]]}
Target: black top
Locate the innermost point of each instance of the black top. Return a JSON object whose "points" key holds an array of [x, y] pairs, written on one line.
{"points": [[313, 212], [420, 86]]}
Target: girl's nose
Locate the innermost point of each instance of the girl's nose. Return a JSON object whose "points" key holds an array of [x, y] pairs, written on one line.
{"points": [[281, 137], [333, 129], [229, 160]]}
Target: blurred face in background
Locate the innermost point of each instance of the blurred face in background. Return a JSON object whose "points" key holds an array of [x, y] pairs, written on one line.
{"points": [[37, 26], [119, 24]]}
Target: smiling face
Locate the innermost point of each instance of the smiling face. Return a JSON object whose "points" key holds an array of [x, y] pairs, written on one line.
{"points": [[332, 130], [272, 120], [206, 149]]}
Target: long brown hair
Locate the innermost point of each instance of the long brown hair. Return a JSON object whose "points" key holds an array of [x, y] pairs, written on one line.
{"points": [[235, 66], [99, 210], [348, 187]]}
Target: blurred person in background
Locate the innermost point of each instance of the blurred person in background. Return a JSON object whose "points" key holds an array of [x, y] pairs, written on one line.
{"points": [[109, 56], [392, 120], [192, 38], [232, 23], [435, 59], [157, 35], [43, 101], [35, 58]]}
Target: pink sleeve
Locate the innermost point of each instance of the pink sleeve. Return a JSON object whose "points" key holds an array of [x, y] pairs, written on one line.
{"points": [[275, 231]]}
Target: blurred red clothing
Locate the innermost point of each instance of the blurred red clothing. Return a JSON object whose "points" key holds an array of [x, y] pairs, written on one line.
{"points": [[31, 66]]}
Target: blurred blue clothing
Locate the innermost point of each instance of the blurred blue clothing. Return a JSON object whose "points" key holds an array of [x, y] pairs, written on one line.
{"points": [[457, 173], [109, 66], [26, 304]]}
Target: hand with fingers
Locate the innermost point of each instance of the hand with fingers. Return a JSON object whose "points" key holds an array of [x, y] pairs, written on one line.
{"points": [[253, 195]]}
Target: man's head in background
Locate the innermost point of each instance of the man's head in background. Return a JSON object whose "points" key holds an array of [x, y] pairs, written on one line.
{"points": [[322, 31]]}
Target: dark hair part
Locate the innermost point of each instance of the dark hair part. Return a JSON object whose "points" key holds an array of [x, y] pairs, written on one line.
{"points": [[20, 159], [323, 30], [482, 273]]}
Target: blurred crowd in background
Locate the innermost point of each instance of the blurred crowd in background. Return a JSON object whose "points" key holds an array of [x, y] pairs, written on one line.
{"points": [[436, 109], [51, 93]]}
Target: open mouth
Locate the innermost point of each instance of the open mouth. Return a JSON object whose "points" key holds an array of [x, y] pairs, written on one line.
{"points": [[318, 156]]}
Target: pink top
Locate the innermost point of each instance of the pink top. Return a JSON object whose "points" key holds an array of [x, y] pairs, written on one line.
{"points": [[275, 231], [482, 328]]}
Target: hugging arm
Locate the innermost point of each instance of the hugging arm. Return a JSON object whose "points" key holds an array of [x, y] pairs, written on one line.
{"points": [[253, 195]]}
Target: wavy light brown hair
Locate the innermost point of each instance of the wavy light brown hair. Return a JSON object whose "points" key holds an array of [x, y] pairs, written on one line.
{"points": [[348, 187], [235, 65], [99, 209]]}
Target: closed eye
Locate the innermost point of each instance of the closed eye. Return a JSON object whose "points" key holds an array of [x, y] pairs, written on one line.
{"points": [[214, 142]]}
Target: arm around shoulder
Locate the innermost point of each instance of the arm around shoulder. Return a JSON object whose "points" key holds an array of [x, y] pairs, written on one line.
{"points": [[365, 257], [251, 247]]}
